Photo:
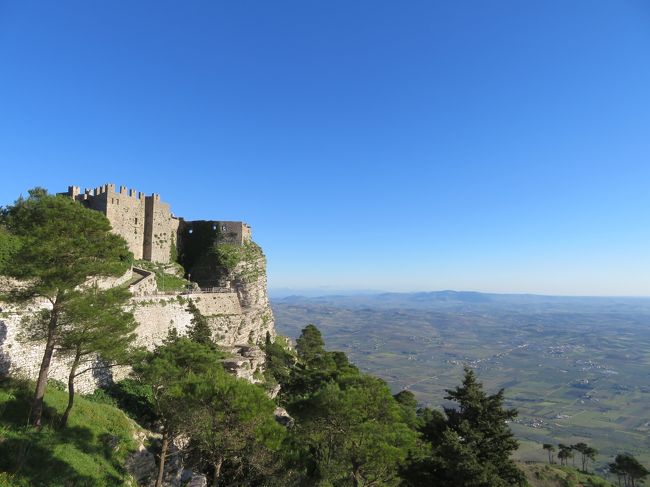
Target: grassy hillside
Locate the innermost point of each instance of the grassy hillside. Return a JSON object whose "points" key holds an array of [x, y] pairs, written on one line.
{"points": [[89, 452], [539, 475]]}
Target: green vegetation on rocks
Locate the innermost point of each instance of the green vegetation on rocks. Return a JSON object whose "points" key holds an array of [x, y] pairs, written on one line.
{"points": [[9, 245], [169, 277]]}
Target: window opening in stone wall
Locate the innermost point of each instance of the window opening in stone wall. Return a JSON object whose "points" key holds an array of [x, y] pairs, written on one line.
{"points": [[190, 231], [136, 221], [223, 228]]}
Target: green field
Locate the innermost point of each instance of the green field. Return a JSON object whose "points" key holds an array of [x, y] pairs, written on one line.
{"points": [[576, 372]]}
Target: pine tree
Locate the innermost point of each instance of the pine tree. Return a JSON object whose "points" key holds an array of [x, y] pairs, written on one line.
{"points": [[353, 431], [565, 452], [628, 467], [95, 326], [172, 371], [550, 448], [586, 453], [61, 245], [310, 345], [471, 445], [199, 330], [233, 428]]}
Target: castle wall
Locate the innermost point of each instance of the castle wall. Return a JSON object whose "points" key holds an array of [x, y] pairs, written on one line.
{"points": [[20, 359], [210, 304], [146, 283], [160, 230], [147, 224], [156, 315], [126, 212], [234, 232]]}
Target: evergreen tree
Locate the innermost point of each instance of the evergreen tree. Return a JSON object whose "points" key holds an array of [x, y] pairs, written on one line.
{"points": [[315, 367], [61, 245], [95, 326], [565, 452], [471, 445], [409, 406], [481, 421], [279, 362], [199, 330], [629, 468], [550, 448], [586, 453], [353, 431], [590, 453], [172, 372], [233, 427], [310, 345], [9, 245]]}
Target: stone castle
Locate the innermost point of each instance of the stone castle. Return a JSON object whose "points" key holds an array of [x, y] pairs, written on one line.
{"points": [[146, 222], [234, 300]]}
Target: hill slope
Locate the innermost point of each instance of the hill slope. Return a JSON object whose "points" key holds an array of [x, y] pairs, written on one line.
{"points": [[91, 451], [539, 475]]}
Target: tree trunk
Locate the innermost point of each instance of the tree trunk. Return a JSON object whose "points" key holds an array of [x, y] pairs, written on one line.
{"points": [[41, 382], [217, 472], [163, 455], [355, 475], [71, 377]]}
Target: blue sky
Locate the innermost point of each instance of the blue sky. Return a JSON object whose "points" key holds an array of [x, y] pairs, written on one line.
{"points": [[422, 145]]}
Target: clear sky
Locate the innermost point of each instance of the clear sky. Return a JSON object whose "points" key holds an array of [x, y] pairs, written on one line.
{"points": [[404, 145]]}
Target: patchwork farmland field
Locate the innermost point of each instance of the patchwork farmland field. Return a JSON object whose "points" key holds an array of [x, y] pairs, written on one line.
{"points": [[577, 369]]}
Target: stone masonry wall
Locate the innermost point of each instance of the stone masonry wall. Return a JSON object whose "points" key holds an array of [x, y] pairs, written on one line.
{"points": [[145, 285], [146, 223], [126, 212], [161, 229], [21, 359]]}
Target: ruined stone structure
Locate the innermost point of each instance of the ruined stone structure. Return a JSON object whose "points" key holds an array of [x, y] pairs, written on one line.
{"points": [[147, 224], [235, 301]]}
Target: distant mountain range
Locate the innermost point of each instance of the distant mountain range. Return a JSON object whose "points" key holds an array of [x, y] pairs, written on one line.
{"points": [[461, 299]]}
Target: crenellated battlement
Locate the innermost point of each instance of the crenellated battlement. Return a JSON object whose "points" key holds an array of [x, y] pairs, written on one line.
{"points": [[146, 222]]}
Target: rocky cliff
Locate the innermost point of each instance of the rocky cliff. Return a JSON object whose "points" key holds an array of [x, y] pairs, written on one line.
{"points": [[238, 312]]}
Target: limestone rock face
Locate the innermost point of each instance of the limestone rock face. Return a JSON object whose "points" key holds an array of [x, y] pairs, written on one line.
{"points": [[141, 465], [247, 362], [197, 480], [282, 417], [256, 319], [240, 316]]}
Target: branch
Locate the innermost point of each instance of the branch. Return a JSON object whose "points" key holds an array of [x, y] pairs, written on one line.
{"points": [[102, 367]]}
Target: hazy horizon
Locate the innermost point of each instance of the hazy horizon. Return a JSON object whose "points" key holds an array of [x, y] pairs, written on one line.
{"points": [[327, 291]]}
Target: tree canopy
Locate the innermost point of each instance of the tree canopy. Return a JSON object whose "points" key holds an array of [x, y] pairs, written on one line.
{"points": [[471, 444], [57, 246]]}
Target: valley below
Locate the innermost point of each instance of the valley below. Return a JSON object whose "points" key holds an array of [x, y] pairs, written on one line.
{"points": [[577, 369]]}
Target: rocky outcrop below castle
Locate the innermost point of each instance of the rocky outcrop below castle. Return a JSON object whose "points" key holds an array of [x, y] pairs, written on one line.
{"points": [[240, 317]]}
